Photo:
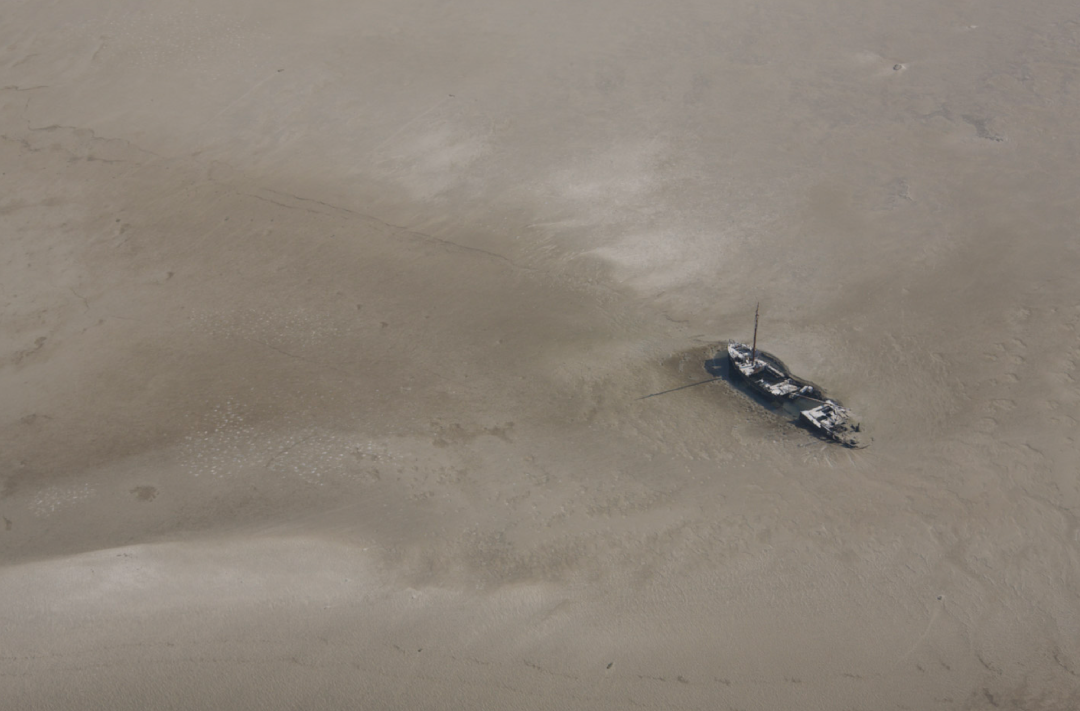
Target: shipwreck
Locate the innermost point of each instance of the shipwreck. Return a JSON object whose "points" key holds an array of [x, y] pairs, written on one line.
{"points": [[766, 375]]}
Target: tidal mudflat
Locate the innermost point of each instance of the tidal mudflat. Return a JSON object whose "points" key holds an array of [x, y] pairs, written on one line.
{"points": [[324, 328]]}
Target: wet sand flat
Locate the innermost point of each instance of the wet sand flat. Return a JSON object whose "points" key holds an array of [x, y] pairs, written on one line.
{"points": [[324, 332]]}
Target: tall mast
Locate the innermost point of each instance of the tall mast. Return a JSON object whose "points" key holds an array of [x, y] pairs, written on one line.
{"points": [[753, 351]]}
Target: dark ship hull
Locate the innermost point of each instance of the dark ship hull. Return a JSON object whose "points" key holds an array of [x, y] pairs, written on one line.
{"points": [[770, 378], [767, 376]]}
